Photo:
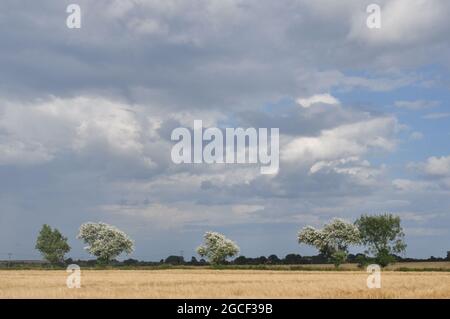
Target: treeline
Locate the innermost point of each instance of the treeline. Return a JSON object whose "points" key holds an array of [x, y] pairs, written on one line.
{"points": [[381, 235], [173, 260], [289, 259]]}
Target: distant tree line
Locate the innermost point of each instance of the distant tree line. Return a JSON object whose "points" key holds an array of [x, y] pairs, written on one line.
{"points": [[289, 259], [173, 260], [381, 235]]}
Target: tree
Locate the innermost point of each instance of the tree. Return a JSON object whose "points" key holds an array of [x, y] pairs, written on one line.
{"points": [[293, 259], [217, 248], [273, 259], [241, 260], [383, 236], [105, 241], [333, 240], [174, 260], [52, 244], [131, 262]]}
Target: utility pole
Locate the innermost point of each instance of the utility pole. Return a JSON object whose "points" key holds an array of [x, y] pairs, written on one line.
{"points": [[9, 259]]}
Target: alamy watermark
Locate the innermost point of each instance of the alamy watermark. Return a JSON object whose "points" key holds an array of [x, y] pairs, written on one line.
{"points": [[240, 146], [374, 19], [374, 279], [73, 20], [74, 279]]}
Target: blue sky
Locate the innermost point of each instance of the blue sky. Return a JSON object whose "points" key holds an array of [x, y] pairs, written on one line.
{"points": [[86, 116]]}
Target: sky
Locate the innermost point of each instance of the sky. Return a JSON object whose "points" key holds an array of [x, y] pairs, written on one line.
{"points": [[86, 117]]}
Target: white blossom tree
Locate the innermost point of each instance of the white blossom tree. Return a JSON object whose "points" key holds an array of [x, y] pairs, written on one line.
{"points": [[333, 240], [217, 248], [105, 241]]}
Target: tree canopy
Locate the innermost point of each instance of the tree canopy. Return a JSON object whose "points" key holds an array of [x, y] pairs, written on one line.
{"points": [[52, 244], [105, 241], [333, 240], [217, 248], [383, 236]]}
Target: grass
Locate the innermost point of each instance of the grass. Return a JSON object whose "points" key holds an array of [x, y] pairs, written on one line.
{"points": [[402, 266], [405, 266], [224, 283]]}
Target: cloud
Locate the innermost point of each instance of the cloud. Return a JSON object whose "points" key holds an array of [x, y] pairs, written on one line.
{"points": [[181, 41], [246, 209], [416, 105], [49, 128], [403, 23], [437, 166], [432, 177], [318, 80], [407, 185], [21, 153], [343, 141], [417, 216], [182, 214], [318, 98], [425, 231], [360, 171]]}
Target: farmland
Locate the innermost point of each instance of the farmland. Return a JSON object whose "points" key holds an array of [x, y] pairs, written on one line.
{"points": [[223, 283]]}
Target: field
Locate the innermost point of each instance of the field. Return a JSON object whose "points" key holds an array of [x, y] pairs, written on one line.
{"points": [[209, 283]]}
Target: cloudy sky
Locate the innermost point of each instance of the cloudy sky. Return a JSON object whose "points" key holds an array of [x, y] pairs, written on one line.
{"points": [[86, 117]]}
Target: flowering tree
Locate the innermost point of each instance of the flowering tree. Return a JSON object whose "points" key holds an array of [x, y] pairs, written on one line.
{"points": [[333, 240], [217, 248], [105, 241]]}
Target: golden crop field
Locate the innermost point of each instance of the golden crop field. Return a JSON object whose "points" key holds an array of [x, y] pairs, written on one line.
{"points": [[208, 283]]}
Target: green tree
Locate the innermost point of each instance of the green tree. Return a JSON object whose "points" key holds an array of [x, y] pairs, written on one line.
{"points": [[383, 236], [52, 244], [332, 241], [174, 260]]}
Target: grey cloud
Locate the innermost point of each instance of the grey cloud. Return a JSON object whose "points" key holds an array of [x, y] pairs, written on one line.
{"points": [[218, 55]]}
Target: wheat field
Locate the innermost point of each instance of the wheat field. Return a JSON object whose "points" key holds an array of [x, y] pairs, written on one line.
{"points": [[207, 283]]}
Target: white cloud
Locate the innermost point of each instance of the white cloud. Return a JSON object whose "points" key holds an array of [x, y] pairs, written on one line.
{"points": [[246, 209], [18, 152], [402, 22], [148, 26], [360, 171], [438, 166], [343, 141], [40, 131], [318, 98]]}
